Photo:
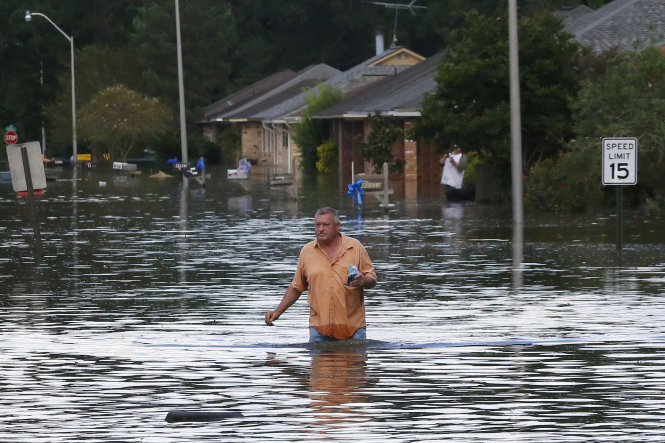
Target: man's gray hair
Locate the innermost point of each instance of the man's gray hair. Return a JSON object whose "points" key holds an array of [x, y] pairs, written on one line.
{"points": [[327, 210]]}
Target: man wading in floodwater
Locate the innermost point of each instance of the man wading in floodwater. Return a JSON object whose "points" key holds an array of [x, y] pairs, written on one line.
{"points": [[336, 310]]}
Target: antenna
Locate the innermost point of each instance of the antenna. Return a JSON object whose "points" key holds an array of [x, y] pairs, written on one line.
{"points": [[397, 6]]}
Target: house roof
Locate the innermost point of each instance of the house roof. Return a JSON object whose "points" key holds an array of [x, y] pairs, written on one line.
{"points": [[250, 92], [573, 12], [286, 88], [305, 79], [367, 72], [398, 56], [398, 95], [624, 24]]}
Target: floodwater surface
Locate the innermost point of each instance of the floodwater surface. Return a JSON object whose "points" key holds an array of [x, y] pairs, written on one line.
{"points": [[122, 299]]}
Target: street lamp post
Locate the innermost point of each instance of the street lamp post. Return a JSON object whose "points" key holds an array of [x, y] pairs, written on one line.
{"points": [[181, 88], [28, 17]]}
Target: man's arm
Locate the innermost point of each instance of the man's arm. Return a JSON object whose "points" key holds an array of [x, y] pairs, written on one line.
{"points": [[461, 165], [290, 297]]}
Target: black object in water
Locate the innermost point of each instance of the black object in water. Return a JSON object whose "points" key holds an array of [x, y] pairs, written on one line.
{"points": [[180, 415]]}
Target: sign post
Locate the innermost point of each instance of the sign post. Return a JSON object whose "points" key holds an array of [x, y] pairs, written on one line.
{"points": [[619, 168]]}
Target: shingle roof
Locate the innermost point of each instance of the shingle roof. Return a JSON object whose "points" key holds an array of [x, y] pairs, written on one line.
{"points": [[347, 81], [287, 88], [247, 93], [400, 94], [624, 24], [573, 12]]}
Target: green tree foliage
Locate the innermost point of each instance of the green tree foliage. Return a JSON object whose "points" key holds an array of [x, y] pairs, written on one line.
{"points": [[97, 68], [208, 36], [327, 154], [311, 133], [628, 100], [37, 58], [117, 119], [229, 144], [379, 146], [569, 182], [226, 45], [471, 104]]}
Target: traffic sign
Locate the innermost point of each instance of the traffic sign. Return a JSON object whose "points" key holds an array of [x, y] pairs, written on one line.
{"points": [[33, 154], [11, 137], [620, 161]]}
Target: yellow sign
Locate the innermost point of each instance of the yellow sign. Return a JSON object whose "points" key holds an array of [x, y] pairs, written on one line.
{"points": [[84, 157]]}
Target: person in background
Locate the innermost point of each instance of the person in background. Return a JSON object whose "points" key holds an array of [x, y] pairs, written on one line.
{"points": [[337, 304], [452, 176]]}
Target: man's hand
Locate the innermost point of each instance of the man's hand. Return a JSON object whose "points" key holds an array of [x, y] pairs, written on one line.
{"points": [[290, 297], [271, 316], [361, 281]]}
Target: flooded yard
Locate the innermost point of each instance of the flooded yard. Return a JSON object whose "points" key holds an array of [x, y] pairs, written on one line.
{"points": [[131, 297]]}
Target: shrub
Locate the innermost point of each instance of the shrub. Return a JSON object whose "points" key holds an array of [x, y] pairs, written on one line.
{"points": [[570, 182], [327, 157], [229, 144], [310, 133], [379, 147]]}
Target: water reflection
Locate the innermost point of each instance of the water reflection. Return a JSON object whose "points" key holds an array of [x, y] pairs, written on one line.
{"points": [[336, 379], [518, 257], [182, 225]]}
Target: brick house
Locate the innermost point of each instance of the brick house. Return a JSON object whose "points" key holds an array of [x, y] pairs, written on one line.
{"points": [[264, 111], [259, 143], [399, 96], [277, 120]]}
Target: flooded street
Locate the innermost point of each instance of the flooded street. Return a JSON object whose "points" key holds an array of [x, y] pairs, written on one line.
{"points": [[132, 297]]}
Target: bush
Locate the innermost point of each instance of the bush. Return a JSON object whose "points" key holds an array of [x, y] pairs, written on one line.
{"points": [[470, 173], [229, 144], [327, 157], [570, 182], [379, 147], [310, 133]]}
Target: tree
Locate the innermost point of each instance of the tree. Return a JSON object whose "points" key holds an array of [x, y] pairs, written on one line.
{"points": [[379, 147], [97, 68], [470, 106], [209, 38], [327, 157], [628, 100], [118, 118], [311, 133]]}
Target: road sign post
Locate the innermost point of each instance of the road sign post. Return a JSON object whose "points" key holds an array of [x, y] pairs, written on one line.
{"points": [[619, 168]]}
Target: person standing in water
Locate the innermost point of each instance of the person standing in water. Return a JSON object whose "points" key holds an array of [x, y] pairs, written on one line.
{"points": [[336, 302], [452, 176]]}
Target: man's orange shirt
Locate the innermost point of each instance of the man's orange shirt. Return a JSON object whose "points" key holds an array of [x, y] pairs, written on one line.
{"points": [[335, 310]]}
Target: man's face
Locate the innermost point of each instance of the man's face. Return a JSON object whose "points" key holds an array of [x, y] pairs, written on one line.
{"points": [[325, 227]]}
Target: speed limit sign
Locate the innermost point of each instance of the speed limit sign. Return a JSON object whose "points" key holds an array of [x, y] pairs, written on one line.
{"points": [[620, 161]]}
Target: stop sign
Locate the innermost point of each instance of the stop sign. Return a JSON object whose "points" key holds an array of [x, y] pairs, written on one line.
{"points": [[11, 137]]}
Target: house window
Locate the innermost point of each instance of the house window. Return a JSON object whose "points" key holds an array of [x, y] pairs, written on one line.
{"points": [[285, 139]]}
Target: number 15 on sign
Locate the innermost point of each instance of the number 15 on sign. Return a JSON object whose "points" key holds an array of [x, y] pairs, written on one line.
{"points": [[620, 161]]}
